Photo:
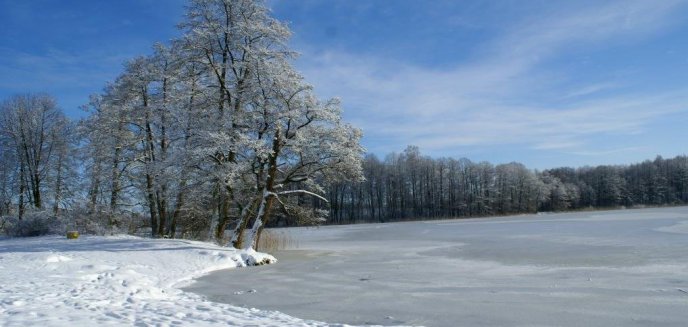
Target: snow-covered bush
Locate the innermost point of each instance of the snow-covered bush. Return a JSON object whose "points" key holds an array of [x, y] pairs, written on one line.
{"points": [[87, 221], [193, 223], [78, 218], [98, 221], [35, 223]]}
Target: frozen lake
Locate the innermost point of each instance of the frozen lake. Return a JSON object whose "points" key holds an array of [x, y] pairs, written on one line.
{"points": [[610, 268]]}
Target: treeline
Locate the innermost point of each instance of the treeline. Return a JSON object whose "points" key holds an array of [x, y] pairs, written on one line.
{"points": [[409, 185]]}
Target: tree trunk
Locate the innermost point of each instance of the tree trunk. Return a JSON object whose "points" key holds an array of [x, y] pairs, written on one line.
{"points": [[238, 235], [268, 193], [58, 182], [95, 188], [115, 175], [22, 189], [151, 205]]}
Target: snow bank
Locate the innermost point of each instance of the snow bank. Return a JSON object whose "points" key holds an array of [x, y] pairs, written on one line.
{"points": [[119, 280]]}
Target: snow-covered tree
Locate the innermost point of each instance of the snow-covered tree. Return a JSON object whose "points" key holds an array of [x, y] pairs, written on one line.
{"points": [[220, 120], [36, 130]]}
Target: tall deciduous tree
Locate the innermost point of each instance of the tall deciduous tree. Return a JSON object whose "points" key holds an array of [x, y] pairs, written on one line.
{"points": [[36, 130], [221, 114]]}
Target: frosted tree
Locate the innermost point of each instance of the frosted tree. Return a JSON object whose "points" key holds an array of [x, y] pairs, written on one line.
{"points": [[111, 146], [63, 175], [219, 125], [297, 142], [263, 112], [232, 40], [36, 129], [8, 175]]}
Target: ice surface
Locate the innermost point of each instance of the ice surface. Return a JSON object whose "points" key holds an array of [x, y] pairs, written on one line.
{"points": [[611, 268]]}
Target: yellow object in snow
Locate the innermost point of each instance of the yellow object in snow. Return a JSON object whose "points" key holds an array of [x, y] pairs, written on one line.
{"points": [[72, 235]]}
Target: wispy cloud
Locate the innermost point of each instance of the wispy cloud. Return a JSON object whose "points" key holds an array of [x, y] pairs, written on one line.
{"points": [[590, 89], [498, 98], [69, 76], [56, 67], [607, 152]]}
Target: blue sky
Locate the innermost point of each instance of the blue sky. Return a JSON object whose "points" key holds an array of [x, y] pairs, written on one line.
{"points": [[545, 83]]}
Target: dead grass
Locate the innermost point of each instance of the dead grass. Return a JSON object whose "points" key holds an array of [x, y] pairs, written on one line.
{"points": [[274, 240]]}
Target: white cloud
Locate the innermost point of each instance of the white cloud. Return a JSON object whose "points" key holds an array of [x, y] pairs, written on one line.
{"points": [[608, 152], [496, 100], [590, 89]]}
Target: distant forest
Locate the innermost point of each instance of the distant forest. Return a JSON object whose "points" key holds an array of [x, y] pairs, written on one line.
{"points": [[408, 186]]}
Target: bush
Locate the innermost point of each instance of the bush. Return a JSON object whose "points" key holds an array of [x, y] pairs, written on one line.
{"points": [[35, 223], [84, 221], [79, 218]]}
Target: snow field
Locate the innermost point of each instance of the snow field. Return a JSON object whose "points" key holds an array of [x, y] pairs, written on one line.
{"points": [[119, 281]]}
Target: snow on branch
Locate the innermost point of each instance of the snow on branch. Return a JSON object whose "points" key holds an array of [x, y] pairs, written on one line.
{"points": [[303, 192]]}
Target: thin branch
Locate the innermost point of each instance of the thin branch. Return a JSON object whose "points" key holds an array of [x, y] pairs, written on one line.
{"points": [[303, 192]]}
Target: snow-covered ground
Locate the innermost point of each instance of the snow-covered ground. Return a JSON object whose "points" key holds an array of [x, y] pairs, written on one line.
{"points": [[615, 268], [118, 281], [609, 268]]}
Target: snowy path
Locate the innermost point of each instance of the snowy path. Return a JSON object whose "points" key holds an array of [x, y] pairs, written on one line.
{"points": [[608, 268], [117, 281]]}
